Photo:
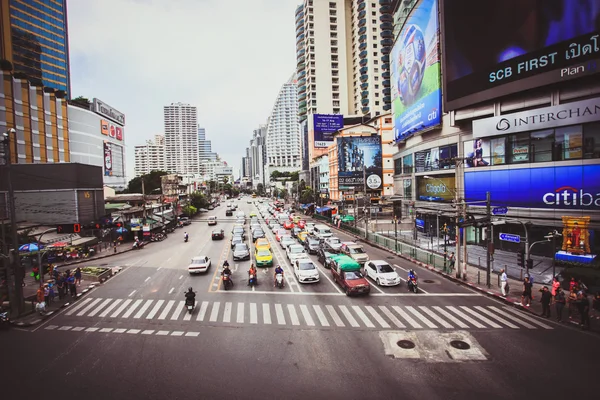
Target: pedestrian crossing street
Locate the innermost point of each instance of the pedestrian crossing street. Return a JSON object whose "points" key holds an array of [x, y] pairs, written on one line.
{"points": [[302, 315]]}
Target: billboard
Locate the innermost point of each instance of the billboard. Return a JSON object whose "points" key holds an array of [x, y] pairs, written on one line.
{"points": [[358, 153], [111, 130], [416, 94], [492, 49], [441, 188], [566, 187], [109, 112], [108, 160], [324, 126]]}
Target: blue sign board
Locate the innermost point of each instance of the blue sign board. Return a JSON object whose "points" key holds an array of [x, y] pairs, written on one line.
{"points": [[324, 126], [500, 211], [566, 188], [420, 223], [507, 237]]}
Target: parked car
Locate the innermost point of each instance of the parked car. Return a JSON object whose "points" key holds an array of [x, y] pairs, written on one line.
{"points": [[218, 234], [346, 272], [241, 252], [382, 273], [199, 264], [306, 271], [185, 220]]}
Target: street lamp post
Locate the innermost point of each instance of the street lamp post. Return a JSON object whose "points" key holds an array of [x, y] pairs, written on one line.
{"points": [[39, 255]]}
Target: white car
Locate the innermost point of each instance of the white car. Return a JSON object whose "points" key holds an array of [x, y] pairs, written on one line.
{"points": [[275, 228], [286, 240], [333, 243], [295, 252], [199, 264], [306, 271], [309, 227], [382, 273]]}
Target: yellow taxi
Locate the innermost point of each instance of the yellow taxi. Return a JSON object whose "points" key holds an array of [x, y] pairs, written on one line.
{"points": [[302, 236], [252, 214], [263, 244], [263, 257], [296, 219]]}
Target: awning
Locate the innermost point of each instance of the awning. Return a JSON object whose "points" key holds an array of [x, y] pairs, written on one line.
{"points": [[306, 205], [323, 209]]}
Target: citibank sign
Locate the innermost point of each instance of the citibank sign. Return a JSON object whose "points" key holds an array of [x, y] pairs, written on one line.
{"points": [[564, 187], [541, 118]]}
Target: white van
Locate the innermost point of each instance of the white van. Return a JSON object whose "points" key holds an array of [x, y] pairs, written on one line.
{"points": [[322, 231]]}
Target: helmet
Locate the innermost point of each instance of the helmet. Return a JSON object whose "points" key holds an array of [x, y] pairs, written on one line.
{"points": [[410, 271]]}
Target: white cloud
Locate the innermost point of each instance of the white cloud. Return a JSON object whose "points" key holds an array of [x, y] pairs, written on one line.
{"points": [[229, 58]]}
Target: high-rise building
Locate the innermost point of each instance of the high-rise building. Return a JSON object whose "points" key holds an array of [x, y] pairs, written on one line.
{"points": [[34, 39], [258, 155], [338, 58], [204, 147], [181, 139], [150, 156], [283, 131]]}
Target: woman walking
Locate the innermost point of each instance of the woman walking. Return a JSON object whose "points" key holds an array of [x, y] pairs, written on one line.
{"points": [[526, 296]]}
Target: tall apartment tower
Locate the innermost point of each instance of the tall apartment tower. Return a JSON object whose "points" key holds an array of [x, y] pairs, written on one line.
{"points": [[34, 39], [151, 156], [181, 139], [339, 65], [283, 130]]}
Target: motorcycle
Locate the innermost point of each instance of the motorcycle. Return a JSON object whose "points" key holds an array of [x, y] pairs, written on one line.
{"points": [[4, 319], [185, 240], [252, 281], [413, 286], [138, 245], [189, 304], [227, 281], [279, 281]]}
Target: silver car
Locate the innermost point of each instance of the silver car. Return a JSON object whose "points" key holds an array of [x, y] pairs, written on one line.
{"points": [[241, 252]]}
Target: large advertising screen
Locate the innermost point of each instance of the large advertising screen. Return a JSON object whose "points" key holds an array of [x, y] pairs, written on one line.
{"points": [[356, 153], [567, 187], [441, 188], [495, 48], [324, 127], [416, 94]]}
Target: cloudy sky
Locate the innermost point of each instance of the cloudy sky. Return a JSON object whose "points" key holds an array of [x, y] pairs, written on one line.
{"points": [[228, 58]]}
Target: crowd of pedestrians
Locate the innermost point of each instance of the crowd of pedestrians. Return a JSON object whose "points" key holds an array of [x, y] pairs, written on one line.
{"points": [[65, 283]]}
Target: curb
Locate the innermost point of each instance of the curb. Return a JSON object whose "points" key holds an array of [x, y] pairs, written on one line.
{"points": [[65, 305], [86, 260]]}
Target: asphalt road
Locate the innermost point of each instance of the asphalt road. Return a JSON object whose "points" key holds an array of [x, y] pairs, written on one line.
{"points": [[131, 339]]}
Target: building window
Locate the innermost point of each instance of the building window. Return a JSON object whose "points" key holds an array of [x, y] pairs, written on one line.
{"points": [[333, 27], [407, 164], [333, 21], [518, 147], [569, 142], [398, 166], [332, 5], [334, 65], [407, 188], [542, 143], [591, 140]]}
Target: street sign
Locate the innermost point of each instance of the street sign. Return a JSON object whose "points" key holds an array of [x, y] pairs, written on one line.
{"points": [[509, 237], [500, 211]]}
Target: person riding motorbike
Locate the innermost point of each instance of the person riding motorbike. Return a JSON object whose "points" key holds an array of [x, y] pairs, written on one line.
{"points": [[252, 271], [411, 275], [226, 271], [190, 296], [278, 270]]}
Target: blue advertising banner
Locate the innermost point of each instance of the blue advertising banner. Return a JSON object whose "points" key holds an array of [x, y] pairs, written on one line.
{"points": [[360, 157], [568, 187], [324, 126], [416, 94]]}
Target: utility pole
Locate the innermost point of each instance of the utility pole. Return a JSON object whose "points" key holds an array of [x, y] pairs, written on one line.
{"points": [[457, 223], [367, 209], [488, 239], [396, 233]]}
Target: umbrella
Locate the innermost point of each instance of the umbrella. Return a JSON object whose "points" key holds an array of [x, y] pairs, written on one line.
{"points": [[121, 230], [58, 245], [29, 247]]}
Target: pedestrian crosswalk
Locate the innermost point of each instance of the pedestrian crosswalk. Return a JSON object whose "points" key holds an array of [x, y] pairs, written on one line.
{"points": [[303, 315]]}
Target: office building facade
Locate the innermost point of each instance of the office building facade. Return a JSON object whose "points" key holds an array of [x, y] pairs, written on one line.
{"points": [[150, 156]]}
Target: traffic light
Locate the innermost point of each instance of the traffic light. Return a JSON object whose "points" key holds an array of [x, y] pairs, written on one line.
{"points": [[521, 259], [529, 264], [68, 228]]}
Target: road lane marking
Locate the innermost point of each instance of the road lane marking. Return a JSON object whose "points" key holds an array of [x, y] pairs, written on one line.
{"points": [[436, 318], [121, 308], [528, 318], [177, 333], [266, 314], [279, 314], [100, 307], [172, 290], [451, 317], [148, 332], [481, 317], [377, 317], [363, 317], [165, 312], [202, 312], [147, 279], [392, 317], [106, 330], [181, 277], [76, 307], [517, 320], [143, 309], [407, 317], [157, 307], [421, 317], [464, 316], [131, 309], [214, 314], [320, 315], [253, 313], [89, 307], [240, 313], [131, 294], [374, 284], [293, 315], [227, 312], [92, 329], [306, 314], [334, 315], [110, 308], [187, 316], [192, 334], [162, 333], [497, 318], [178, 310], [349, 316]]}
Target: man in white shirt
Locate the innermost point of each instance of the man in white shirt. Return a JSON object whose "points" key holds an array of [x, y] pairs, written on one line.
{"points": [[503, 281]]}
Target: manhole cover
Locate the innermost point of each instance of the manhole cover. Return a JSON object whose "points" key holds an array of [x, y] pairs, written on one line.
{"points": [[406, 344], [428, 281], [390, 258], [460, 345]]}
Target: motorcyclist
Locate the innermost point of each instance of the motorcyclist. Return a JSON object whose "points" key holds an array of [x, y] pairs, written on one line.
{"points": [[278, 270], [226, 271], [411, 275], [190, 296], [252, 271]]}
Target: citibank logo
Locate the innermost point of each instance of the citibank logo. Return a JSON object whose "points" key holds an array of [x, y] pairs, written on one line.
{"points": [[503, 125], [569, 196], [437, 189]]}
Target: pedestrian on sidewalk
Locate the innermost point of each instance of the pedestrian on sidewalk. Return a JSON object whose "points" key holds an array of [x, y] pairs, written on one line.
{"points": [[451, 261], [526, 295], [583, 304], [555, 287], [72, 285], [503, 282], [41, 305], [560, 301], [60, 284], [78, 276], [47, 294], [545, 300]]}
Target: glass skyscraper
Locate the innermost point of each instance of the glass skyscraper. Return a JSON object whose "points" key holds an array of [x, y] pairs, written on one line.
{"points": [[39, 41]]}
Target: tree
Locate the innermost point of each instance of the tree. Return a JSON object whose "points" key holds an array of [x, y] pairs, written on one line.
{"points": [[151, 182], [307, 196], [198, 200], [283, 194], [301, 185], [294, 176], [190, 210], [260, 189], [294, 190]]}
